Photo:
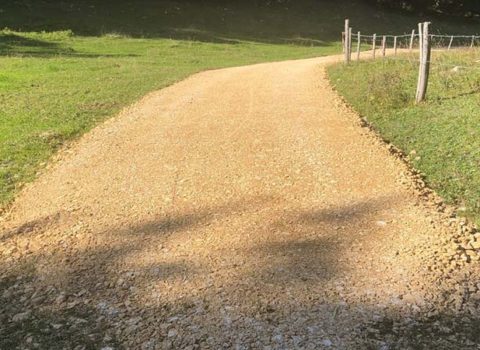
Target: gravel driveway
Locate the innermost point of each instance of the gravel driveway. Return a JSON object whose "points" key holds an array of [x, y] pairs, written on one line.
{"points": [[243, 208]]}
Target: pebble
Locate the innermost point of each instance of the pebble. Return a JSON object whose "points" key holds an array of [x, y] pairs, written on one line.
{"points": [[327, 342], [21, 317], [172, 333], [277, 338]]}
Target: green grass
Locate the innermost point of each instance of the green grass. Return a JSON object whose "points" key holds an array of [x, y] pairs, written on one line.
{"points": [[67, 65], [442, 135]]}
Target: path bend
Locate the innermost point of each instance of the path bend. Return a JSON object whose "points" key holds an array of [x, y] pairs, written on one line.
{"points": [[244, 207]]}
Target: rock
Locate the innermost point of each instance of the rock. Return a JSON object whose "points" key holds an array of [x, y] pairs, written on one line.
{"points": [[60, 299], [327, 342], [277, 338], [475, 245], [172, 333], [21, 317], [149, 345]]}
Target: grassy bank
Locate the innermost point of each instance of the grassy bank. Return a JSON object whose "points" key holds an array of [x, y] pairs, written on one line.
{"points": [[442, 135]]}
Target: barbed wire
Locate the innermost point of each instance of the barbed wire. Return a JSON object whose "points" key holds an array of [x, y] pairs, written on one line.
{"points": [[435, 64], [454, 72], [380, 36], [416, 35]]}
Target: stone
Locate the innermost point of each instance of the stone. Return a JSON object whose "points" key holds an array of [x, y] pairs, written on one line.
{"points": [[327, 342], [277, 338], [172, 333], [21, 317]]}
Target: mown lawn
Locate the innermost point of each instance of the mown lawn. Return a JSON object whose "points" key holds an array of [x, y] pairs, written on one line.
{"points": [[442, 135]]}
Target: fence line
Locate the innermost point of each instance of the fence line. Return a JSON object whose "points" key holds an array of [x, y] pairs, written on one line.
{"points": [[421, 39], [430, 35]]}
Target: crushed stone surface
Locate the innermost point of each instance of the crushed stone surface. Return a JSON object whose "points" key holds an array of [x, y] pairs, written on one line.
{"points": [[242, 208]]}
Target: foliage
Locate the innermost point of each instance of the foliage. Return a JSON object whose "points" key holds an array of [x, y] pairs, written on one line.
{"points": [[468, 8]]}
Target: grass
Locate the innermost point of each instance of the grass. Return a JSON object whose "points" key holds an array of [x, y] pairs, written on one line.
{"points": [[67, 65], [440, 136]]}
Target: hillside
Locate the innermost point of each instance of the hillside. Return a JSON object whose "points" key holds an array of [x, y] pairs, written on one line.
{"points": [[302, 21]]}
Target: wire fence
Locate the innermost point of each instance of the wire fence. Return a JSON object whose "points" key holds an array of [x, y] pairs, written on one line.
{"points": [[448, 65], [437, 41]]}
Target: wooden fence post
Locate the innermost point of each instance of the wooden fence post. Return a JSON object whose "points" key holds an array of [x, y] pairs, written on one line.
{"points": [[359, 43], [412, 38], [450, 44], [349, 44], [395, 45], [420, 54], [346, 49], [420, 38], [473, 42], [424, 69], [374, 45], [384, 46]]}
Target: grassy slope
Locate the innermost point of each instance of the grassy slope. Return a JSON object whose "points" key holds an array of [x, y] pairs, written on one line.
{"points": [[55, 86], [441, 136]]}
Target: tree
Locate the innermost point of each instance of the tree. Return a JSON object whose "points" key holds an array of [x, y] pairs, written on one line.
{"points": [[452, 7]]}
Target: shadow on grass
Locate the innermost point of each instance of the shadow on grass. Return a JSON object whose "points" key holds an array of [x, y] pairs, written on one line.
{"points": [[17, 45], [88, 299], [463, 94], [300, 22]]}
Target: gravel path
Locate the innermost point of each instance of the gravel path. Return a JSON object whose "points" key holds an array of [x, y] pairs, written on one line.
{"points": [[243, 208]]}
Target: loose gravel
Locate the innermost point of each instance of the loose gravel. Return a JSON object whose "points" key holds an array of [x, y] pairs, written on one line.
{"points": [[243, 208]]}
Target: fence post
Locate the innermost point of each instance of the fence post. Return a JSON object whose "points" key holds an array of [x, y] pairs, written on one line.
{"points": [[420, 54], [346, 49], [420, 39], [450, 44], [384, 45], [374, 45], [424, 70], [412, 38], [395, 45], [473, 42], [359, 42], [349, 44], [343, 42]]}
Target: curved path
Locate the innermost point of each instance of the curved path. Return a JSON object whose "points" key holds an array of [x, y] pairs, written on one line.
{"points": [[241, 208]]}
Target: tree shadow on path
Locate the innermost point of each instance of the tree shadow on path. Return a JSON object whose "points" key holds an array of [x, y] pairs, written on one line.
{"points": [[87, 298]]}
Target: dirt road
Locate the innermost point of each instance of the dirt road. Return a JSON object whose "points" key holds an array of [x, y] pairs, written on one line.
{"points": [[242, 208]]}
